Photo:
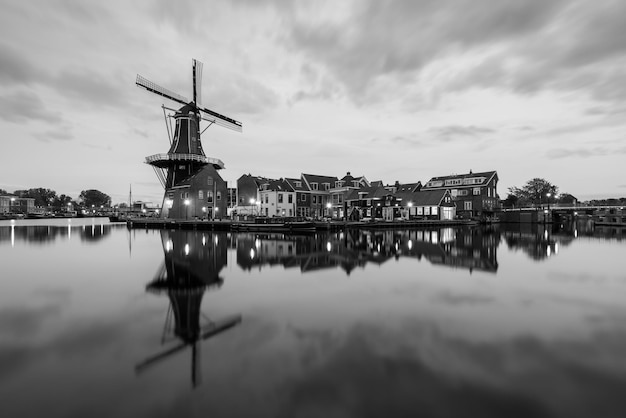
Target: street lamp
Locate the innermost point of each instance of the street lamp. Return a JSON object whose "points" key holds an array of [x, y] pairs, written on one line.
{"points": [[186, 207]]}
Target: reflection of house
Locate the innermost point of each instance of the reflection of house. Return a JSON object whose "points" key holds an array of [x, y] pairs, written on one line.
{"points": [[475, 194], [459, 248]]}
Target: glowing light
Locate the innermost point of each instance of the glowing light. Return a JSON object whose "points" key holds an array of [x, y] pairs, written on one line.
{"points": [[186, 202], [203, 240], [329, 246], [257, 243], [169, 245], [12, 233], [186, 249], [556, 248], [548, 251], [410, 244], [410, 204], [251, 253]]}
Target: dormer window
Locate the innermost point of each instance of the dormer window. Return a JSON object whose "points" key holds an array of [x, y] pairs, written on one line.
{"points": [[314, 186], [326, 186], [298, 183]]}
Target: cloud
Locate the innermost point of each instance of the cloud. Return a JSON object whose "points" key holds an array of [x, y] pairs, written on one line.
{"points": [[88, 88], [25, 106], [382, 39], [15, 68], [60, 134], [557, 153], [450, 132], [239, 95]]}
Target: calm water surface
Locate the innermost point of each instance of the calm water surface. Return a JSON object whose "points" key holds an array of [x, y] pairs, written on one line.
{"points": [[100, 321]]}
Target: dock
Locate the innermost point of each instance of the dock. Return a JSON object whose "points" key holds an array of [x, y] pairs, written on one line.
{"points": [[287, 227]]}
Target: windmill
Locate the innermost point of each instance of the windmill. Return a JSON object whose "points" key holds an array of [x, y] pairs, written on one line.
{"points": [[182, 169]]}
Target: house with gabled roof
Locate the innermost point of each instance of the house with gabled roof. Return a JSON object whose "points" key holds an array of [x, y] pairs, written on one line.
{"points": [[370, 202], [303, 196], [427, 204], [475, 194], [340, 191], [248, 199], [319, 187], [277, 199]]}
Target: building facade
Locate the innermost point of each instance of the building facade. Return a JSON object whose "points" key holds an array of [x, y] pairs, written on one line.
{"points": [[475, 194], [277, 199]]}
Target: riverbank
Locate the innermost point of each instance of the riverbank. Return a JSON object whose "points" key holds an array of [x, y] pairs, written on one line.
{"points": [[229, 225]]}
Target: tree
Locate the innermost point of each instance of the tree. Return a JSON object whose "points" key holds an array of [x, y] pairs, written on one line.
{"points": [[535, 192], [62, 201], [94, 197], [3, 192], [43, 197]]}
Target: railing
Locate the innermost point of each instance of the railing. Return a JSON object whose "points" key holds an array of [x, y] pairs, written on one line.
{"points": [[184, 157]]}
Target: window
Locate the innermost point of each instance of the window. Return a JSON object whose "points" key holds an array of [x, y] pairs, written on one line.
{"points": [[266, 199], [298, 183], [280, 198], [219, 195], [290, 198], [314, 199], [462, 193], [326, 186], [467, 205], [476, 191], [338, 183], [355, 183], [209, 197], [433, 210], [200, 195], [314, 186], [209, 181]]}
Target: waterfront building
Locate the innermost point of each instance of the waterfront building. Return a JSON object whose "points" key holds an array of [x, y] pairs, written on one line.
{"points": [[427, 204], [303, 196], [248, 189], [370, 202], [15, 204], [277, 199], [475, 194], [341, 190], [320, 193]]}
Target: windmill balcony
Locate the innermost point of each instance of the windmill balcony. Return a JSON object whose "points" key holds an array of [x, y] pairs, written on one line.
{"points": [[163, 160]]}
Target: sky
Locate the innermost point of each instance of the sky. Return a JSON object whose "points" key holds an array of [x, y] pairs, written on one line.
{"points": [[391, 90]]}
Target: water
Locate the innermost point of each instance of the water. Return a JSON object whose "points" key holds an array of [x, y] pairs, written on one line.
{"points": [[100, 321]]}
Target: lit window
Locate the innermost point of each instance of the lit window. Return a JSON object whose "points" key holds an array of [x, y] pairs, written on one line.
{"points": [[209, 181], [200, 194]]}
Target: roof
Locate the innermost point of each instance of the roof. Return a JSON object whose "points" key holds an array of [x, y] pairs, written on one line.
{"points": [[280, 186], [377, 192], [313, 178], [409, 187], [487, 175], [302, 188], [423, 197]]}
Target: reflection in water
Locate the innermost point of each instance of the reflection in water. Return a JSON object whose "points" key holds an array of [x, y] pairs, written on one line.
{"points": [[192, 265], [467, 248], [48, 234]]}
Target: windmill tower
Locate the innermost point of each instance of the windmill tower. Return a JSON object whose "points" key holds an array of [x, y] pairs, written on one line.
{"points": [[193, 186]]}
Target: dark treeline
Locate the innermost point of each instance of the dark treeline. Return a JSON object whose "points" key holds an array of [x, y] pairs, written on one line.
{"points": [[49, 198]]}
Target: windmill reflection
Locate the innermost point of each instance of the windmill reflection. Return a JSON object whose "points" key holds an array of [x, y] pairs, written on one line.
{"points": [[191, 266]]}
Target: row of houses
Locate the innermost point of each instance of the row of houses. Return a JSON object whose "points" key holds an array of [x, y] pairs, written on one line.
{"points": [[356, 198]]}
